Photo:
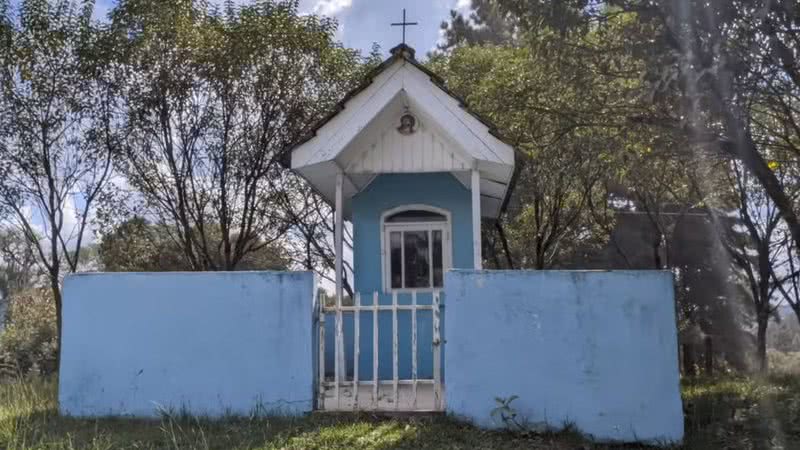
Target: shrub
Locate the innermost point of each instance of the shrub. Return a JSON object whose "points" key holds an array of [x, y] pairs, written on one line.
{"points": [[784, 362], [28, 343]]}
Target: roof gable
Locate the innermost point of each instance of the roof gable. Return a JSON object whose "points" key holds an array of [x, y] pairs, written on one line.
{"points": [[353, 139]]}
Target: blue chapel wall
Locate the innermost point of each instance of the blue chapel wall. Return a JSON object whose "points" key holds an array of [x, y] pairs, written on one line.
{"points": [[595, 350], [388, 191]]}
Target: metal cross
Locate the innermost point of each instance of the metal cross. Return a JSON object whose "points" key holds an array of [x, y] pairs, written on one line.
{"points": [[404, 24]]}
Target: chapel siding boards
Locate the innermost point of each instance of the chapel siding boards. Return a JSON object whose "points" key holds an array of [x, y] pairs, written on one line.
{"points": [[471, 135], [424, 151]]}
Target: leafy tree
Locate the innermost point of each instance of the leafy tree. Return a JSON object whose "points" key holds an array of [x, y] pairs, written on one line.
{"points": [[758, 252], [213, 99], [557, 108], [718, 70], [19, 267], [486, 23], [138, 246], [56, 138]]}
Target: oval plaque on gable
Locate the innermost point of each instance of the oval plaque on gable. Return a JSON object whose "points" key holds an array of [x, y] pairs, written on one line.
{"points": [[408, 124]]}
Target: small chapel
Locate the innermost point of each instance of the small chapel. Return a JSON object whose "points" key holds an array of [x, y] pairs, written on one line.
{"points": [[414, 171]]}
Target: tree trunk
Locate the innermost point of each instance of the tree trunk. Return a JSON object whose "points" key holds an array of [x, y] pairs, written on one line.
{"points": [[56, 289], [504, 241], [761, 343], [796, 309], [688, 360], [708, 356]]}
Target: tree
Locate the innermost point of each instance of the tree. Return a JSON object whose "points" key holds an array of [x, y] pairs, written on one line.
{"points": [[486, 23], [138, 246], [554, 108], [310, 237], [213, 100], [19, 267], [757, 252], [712, 66], [56, 139], [721, 76]]}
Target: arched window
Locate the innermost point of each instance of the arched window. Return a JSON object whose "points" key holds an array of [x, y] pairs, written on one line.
{"points": [[416, 248]]}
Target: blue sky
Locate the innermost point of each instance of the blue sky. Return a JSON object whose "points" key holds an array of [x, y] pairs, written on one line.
{"points": [[362, 22]]}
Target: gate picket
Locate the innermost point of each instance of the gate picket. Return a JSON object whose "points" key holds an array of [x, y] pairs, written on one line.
{"points": [[406, 394]]}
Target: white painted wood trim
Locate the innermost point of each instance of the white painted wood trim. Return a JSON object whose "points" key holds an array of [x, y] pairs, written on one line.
{"points": [[375, 349], [387, 307], [421, 381], [321, 393], [317, 148], [437, 352], [361, 110], [338, 235], [356, 346], [345, 393], [453, 116], [395, 374], [414, 346], [476, 219]]}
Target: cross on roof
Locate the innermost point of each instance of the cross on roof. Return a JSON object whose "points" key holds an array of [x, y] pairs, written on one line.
{"points": [[404, 24]]}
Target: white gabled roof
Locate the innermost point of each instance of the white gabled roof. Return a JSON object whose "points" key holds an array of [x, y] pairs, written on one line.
{"points": [[361, 138]]}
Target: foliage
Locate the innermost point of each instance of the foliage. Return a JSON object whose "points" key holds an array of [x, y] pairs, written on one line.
{"points": [[18, 264], [742, 412], [724, 75], [784, 335], [645, 103], [565, 101], [784, 363], [212, 99], [138, 246], [28, 341], [56, 138], [486, 23], [506, 414]]}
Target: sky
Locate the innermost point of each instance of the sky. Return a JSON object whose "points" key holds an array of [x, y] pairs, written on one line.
{"points": [[364, 22]]}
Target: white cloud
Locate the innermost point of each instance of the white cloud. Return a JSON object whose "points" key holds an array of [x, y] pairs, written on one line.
{"points": [[463, 6], [331, 7]]}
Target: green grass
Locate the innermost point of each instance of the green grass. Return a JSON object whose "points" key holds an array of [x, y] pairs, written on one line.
{"points": [[743, 413], [720, 413]]}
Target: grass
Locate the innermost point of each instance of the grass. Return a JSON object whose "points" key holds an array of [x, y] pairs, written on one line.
{"points": [[729, 413], [743, 413]]}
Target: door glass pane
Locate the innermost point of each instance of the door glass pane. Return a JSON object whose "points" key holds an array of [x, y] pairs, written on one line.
{"points": [[396, 259], [438, 265], [416, 259]]}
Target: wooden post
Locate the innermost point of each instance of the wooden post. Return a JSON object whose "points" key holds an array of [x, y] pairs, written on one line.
{"points": [[476, 219], [414, 346], [321, 400], [394, 350], [375, 382], [338, 234], [356, 347], [437, 352]]}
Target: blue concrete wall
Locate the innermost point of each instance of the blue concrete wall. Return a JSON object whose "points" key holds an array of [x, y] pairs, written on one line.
{"points": [[593, 349], [389, 191], [207, 343]]}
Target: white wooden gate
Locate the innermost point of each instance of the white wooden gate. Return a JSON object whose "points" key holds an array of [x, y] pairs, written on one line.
{"points": [[341, 393]]}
